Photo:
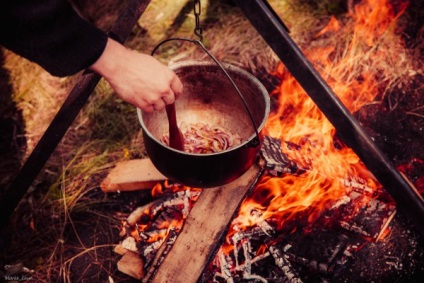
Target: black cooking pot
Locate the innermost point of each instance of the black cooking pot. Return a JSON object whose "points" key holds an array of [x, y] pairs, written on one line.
{"points": [[209, 97]]}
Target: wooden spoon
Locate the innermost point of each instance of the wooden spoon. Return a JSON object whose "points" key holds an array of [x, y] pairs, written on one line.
{"points": [[176, 139]]}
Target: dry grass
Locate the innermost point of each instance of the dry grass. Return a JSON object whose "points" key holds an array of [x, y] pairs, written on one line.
{"points": [[56, 230]]}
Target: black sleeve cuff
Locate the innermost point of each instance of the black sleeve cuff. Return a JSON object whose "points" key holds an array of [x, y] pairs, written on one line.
{"points": [[51, 34]]}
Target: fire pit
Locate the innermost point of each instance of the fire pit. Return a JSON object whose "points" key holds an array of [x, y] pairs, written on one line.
{"points": [[316, 214]]}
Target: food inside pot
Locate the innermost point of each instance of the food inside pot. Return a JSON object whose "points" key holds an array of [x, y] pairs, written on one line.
{"points": [[203, 138]]}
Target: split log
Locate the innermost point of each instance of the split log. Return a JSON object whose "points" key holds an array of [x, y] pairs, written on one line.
{"points": [[204, 229], [132, 175], [131, 264], [119, 249], [276, 162], [357, 213]]}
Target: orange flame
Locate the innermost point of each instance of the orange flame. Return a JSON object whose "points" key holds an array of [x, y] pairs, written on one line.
{"points": [[297, 121], [333, 25], [373, 18], [166, 187]]}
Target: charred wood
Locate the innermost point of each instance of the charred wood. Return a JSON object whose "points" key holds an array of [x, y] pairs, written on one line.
{"points": [[225, 266], [317, 250], [289, 272], [160, 255], [263, 224], [276, 162], [361, 214], [252, 261]]}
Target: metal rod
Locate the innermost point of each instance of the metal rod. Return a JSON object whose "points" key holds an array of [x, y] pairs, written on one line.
{"points": [[65, 117], [274, 32]]}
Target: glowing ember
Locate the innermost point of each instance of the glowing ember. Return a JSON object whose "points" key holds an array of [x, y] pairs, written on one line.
{"points": [[143, 224]]}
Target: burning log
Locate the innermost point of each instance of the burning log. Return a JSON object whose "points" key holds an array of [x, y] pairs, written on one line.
{"points": [[179, 199], [359, 185], [247, 269], [229, 273], [358, 213], [151, 230], [225, 266], [242, 236], [276, 162], [264, 225], [252, 261], [241, 263], [150, 249], [284, 265], [160, 255]]}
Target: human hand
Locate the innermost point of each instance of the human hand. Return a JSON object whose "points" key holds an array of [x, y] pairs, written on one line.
{"points": [[138, 78]]}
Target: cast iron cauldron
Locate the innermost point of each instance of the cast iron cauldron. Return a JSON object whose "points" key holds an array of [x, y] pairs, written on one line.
{"points": [[209, 97]]}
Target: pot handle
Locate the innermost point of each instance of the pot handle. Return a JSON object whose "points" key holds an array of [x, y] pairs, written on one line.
{"points": [[255, 142]]}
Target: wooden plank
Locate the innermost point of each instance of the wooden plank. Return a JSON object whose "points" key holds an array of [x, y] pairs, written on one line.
{"points": [[203, 230], [132, 175]]}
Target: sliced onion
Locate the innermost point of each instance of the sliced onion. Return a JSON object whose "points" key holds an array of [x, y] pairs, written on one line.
{"points": [[201, 138]]}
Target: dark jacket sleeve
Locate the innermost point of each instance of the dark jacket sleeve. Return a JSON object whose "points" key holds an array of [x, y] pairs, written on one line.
{"points": [[51, 34]]}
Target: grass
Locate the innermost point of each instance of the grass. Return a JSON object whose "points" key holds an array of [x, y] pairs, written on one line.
{"points": [[66, 221]]}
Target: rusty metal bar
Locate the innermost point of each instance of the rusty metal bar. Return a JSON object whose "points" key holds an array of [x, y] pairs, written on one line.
{"points": [[275, 33], [65, 116]]}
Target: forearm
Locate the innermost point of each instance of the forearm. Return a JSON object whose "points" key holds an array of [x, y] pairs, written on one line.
{"points": [[109, 61]]}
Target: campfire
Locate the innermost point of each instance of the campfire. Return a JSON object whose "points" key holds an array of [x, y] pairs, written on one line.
{"points": [[310, 209]]}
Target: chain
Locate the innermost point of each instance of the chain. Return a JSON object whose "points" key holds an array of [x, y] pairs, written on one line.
{"points": [[197, 11]]}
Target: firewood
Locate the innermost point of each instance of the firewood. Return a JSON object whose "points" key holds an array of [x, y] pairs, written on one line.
{"points": [[203, 230], [285, 266], [357, 212], [160, 256], [276, 162], [136, 214], [318, 250], [252, 261], [132, 265], [120, 250], [129, 244], [131, 175]]}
